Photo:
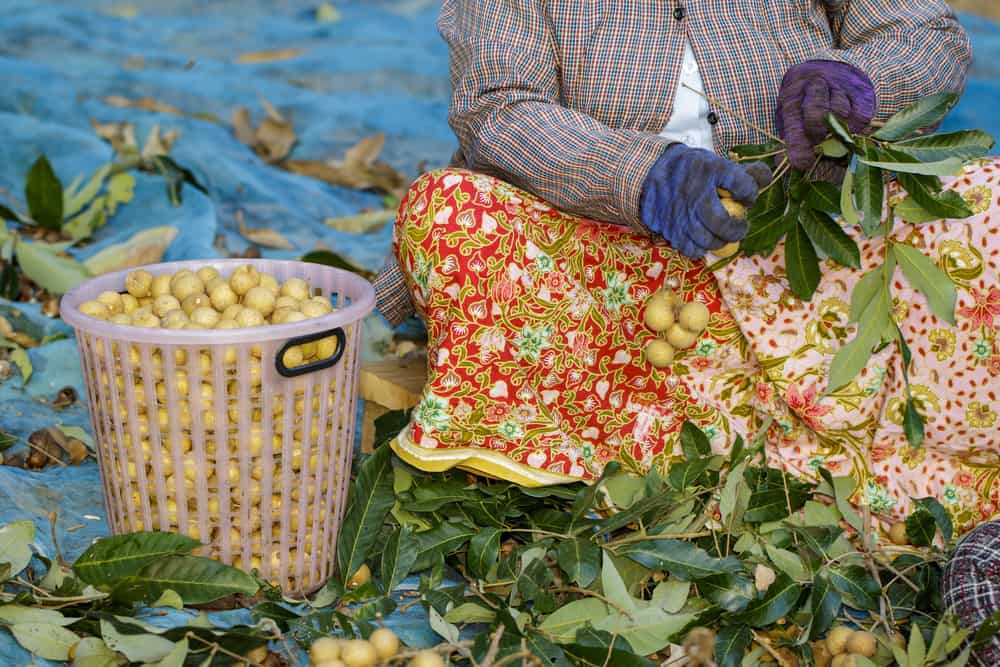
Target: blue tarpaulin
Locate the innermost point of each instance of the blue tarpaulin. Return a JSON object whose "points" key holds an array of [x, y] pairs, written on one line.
{"points": [[380, 66]]}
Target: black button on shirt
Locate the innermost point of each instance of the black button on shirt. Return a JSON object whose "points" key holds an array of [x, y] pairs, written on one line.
{"points": [[679, 13], [713, 118]]}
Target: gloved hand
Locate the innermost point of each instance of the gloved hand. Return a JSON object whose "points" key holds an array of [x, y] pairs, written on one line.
{"points": [[680, 201], [808, 92]]}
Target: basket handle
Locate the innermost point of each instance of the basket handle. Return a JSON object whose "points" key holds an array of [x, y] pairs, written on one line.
{"points": [[285, 371]]}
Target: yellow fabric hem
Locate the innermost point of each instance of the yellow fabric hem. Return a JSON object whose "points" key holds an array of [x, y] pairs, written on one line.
{"points": [[482, 462]]}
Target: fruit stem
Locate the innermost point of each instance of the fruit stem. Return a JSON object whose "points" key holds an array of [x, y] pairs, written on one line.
{"points": [[735, 114]]}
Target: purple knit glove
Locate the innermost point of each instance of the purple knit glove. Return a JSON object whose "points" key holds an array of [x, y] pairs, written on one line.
{"points": [[812, 89]]}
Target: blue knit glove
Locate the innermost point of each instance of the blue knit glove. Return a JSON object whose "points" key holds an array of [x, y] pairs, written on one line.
{"points": [[680, 201]]}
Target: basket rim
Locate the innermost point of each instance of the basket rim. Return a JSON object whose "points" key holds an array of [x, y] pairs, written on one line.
{"points": [[363, 303]]}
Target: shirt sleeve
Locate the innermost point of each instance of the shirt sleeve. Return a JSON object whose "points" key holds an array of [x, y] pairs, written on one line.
{"points": [[908, 49], [506, 114]]}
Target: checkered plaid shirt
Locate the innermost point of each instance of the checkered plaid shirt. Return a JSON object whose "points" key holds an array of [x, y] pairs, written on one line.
{"points": [[566, 97]]}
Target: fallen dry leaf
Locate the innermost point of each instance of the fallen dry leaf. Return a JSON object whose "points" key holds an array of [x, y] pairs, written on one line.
{"points": [[268, 56], [365, 151], [120, 135], [242, 128], [272, 140], [360, 169], [264, 237], [157, 145], [144, 103], [145, 247], [362, 223]]}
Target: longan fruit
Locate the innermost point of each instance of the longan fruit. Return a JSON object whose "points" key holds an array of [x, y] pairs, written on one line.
{"points": [[192, 302], [260, 299], [113, 301], [231, 312], [665, 295], [658, 316], [360, 578], [897, 534], [358, 653], [281, 314], [844, 660], [326, 347], [206, 316], [164, 304], [138, 283], [728, 250], [143, 317], [129, 303], [427, 658], [295, 316], [270, 282], [295, 288], [313, 309], [693, 316], [659, 353], [248, 317], [145, 302], [821, 654], [680, 337], [733, 207], [120, 318], [836, 639], [207, 274], [244, 279], [227, 324], [293, 357], [95, 309], [385, 642], [222, 297], [308, 350], [175, 319], [286, 302], [862, 643], [160, 286], [187, 285]]}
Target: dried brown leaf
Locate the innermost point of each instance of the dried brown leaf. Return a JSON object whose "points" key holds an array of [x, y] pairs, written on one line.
{"points": [[366, 151], [242, 128], [145, 247], [268, 56], [271, 111], [120, 135], [263, 237], [23, 339], [157, 145], [66, 397], [45, 449], [349, 177], [362, 223], [274, 140], [144, 103], [6, 328]]}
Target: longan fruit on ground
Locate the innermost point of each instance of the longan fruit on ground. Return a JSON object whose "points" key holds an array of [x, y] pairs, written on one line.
{"points": [[863, 643], [693, 316], [295, 288], [427, 658], [164, 304], [207, 274], [324, 648], [160, 286], [836, 639], [659, 353], [385, 642], [138, 283], [897, 534], [680, 337], [113, 301], [260, 299], [658, 316], [95, 309], [360, 578]]}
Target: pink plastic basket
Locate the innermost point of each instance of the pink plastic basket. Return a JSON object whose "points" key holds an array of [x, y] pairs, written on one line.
{"points": [[208, 434]]}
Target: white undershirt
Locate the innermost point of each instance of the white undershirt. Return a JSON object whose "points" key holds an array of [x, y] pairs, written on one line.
{"points": [[689, 121]]}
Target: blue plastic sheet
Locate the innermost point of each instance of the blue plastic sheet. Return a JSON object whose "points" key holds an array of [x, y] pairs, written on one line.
{"points": [[380, 68]]}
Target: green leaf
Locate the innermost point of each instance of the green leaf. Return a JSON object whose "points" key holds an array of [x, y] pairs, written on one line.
{"points": [[828, 236], [389, 425], [925, 276], [681, 559], [15, 544], [869, 192], [51, 642], [44, 194], [79, 434], [169, 598], [49, 270], [913, 423], [327, 258], [824, 603], [823, 196], [771, 504], [19, 356], [964, 145], [671, 595], [920, 527], [121, 190], [175, 658], [398, 558], [8, 214], [940, 514], [112, 558], [916, 650], [93, 652], [854, 355], [543, 649], [647, 507], [470, 612], [694, 442], [564, 622], [596, 648], [787, 562], [801, 263], [912, 212], [755, 150], [197, 580], [843, 488], [833, 148], [441, 540], [778, 602], [74, 200], [769, 222], [370, 501], [646, 630], [13, 614], [83, 225], [734, 499], [687, 473], [137, 647], [731, 643], [839, 129], [585, 497], [732, 592], [949, 167], [484, 550], [176, 177], [613, 585], [847, 208], [925, 112], [580, 559], [947, 205]]}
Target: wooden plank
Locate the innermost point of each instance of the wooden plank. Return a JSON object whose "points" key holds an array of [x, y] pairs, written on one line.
{"points": [[395, 384]]}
